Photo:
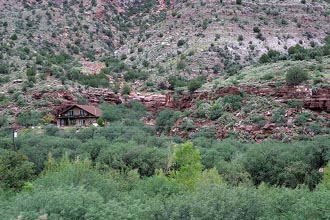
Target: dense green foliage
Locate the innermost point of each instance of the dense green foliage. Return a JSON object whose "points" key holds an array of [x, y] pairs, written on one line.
{"points": [[166, 120], [124, 170], [296, 75], [297, 52], [28, 118], [193, 85], [15, 169]]}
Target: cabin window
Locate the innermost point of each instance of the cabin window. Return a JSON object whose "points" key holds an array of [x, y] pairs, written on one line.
{"points": [[70, 113], [82, 112], [82, 122]]}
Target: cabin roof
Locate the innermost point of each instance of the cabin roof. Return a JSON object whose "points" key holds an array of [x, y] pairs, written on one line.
{"points": [[88, 108]]}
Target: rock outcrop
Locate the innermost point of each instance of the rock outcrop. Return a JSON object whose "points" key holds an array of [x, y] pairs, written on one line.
{"points": [[317, 100]]}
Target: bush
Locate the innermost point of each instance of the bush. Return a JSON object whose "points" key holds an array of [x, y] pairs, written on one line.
{"points": [[181, 65], [203, 110], [15, 169], [296, 49], [271, 55], [278, 116], [195, 84], [166, 120], [302, 119], [217, 110], [51, 130], [327, 40], [181, 42], [13, 37], [176, 81], [28, 118], [256, 29], [295, 104], [232, 102], [296, 75], [100, 121], [4, 68], [133, 75], [258, 119], [126, 89], [128, 111]]}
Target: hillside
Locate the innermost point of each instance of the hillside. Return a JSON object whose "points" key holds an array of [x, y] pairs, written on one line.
{"points": [[56, 53], [153, 39], [164, 109]]}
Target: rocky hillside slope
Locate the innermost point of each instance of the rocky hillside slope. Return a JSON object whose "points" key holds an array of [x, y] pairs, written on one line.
{"points": [[214, 37], [56, 53]]}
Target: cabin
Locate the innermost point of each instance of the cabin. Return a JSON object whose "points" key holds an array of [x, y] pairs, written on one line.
{"points": [[78, 115]]}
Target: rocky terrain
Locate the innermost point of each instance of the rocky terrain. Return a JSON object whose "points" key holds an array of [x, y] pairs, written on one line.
{"points": [[214, 37], [57, 53]]}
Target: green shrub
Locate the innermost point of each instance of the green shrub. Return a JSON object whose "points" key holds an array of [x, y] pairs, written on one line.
{"points": [[181, 65], [271, 55], [51, 130], [284, 22], [123, 57], [126, 89], [268, 76], [302, 118], [278, 116], [3, 120], [217, 109], [15, 170], [100, 121], [145, 63], [194, 84], [296, 75], [296, 49], [133, 75], [232, 102], [166, 120], [181, 42], [317, 81], [130, 111], [205, 23], [327, 40], [176, 81], [295, 103], [4, 68], [256, 29], [187, 124], [90, 55], [13, 37], [260, 36], [203, 110], [316, 128], [258, 119], [216, 69], [28, 118]]}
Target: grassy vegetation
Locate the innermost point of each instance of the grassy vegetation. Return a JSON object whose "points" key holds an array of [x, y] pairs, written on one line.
{"points": [[178, 168], [264, 73], [125, 169]]}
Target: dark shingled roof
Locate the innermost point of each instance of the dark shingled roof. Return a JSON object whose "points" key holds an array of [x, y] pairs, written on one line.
{"points": [[88, 108], [91, 109]]}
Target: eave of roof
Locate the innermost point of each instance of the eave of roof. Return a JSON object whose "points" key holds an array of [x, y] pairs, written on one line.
{"points": [[88, 108]]}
